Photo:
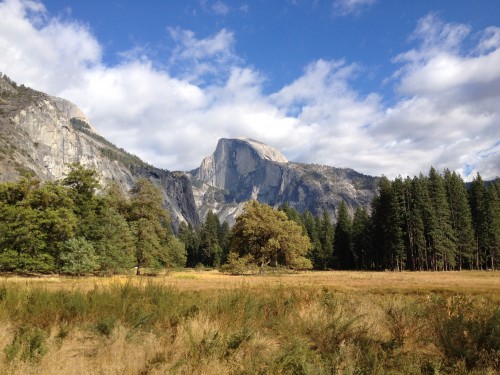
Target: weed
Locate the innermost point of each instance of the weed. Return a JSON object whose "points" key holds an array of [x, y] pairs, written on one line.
{"points": [[28, 344]]}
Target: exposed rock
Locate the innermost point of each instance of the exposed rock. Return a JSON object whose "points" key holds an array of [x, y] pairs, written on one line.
{"points": [[41, 135], [243, 169]]}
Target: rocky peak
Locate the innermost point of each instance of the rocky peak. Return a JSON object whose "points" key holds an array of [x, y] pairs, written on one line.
{"points": [[243, 169], [235, 158]]}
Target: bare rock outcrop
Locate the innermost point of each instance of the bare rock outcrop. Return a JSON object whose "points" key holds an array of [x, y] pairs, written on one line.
{"points": [[243, 169]]}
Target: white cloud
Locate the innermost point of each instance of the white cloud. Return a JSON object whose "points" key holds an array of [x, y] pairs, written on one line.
{"points": [[194, 58], [348, 7], [448, 116], [220, 8]]}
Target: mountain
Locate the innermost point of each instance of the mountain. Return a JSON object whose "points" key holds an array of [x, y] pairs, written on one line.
{"points": [[243, 169], [40, 135]]}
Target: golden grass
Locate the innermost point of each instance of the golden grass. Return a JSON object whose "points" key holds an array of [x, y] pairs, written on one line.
{"points": [[463, 282], [213, 323]]}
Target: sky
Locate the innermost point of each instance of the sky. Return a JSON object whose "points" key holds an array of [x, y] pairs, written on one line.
{"points": [[385, 87]]}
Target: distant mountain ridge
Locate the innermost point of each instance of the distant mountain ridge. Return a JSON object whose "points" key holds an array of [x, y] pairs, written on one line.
{"points": [[41, 135], [242, 169]]}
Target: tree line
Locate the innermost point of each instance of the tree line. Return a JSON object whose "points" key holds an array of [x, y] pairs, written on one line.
{"points": [[429, 222], [75, 226]]}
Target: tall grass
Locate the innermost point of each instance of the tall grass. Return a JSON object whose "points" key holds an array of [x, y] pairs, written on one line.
{"points": [[150, 328]]}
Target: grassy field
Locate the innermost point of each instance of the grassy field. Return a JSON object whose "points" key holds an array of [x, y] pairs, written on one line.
{"points": [[204, 322]]}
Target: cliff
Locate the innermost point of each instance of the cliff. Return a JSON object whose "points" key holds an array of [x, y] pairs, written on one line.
{"points": [[40, 135], [243, 169]]}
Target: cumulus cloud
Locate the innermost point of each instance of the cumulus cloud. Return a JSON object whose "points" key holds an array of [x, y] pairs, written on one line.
{"points": [[447, 114], [350, 7], [195, 58]]}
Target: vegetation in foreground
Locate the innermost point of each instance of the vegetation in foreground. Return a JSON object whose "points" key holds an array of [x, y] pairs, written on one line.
{"points": [[148, 328]]}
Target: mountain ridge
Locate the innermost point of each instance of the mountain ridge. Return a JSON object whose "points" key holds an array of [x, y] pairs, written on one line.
{"points": [[41, 134]]}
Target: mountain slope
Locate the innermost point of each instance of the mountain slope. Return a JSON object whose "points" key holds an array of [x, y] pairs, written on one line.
{"points": [[243, 169], [40, 135]]}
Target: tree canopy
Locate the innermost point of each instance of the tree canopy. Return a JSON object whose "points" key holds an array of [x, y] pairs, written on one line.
{"points": [[269, 237]]}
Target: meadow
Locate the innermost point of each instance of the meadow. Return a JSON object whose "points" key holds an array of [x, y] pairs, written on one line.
{"points": [[205, 322]]}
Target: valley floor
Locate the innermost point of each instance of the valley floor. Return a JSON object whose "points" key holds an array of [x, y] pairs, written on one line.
{"points": [[204, 322]]}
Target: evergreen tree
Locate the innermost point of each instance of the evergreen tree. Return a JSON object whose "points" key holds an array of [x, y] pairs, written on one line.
{"points": [[479, 212], [316, 253], [82, 184], [150, 225], [211, 250], [442, 238], [191, 240], [387, 208], [361, 239], [344, 258], [416, 198], [461, 219], [78, 257], [324, 255]]}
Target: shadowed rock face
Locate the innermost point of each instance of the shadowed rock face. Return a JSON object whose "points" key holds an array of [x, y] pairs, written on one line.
{"points": [[40, 135], [242, 169]]}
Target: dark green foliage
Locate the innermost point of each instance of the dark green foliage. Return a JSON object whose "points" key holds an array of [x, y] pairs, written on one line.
{"points": [[461, 219], [68, 227], [361, 243], [342, 243], [150, 225], [78, 257]]}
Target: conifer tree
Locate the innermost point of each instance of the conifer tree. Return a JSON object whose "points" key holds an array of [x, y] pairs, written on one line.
{"points": [[479, 212], [442, 238], [344, 258], [461, 219], [361, 245]]}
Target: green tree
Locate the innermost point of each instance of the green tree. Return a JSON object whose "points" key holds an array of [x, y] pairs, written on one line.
{"points": [[191, 240], [441, 235], [361, 239], [78, 257], [461, 218], [150, 225], [82, 184], [342, 240], [324, 256], [211, 251], [269, 237]]}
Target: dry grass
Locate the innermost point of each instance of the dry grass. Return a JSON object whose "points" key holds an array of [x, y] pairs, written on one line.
{"points": [[204, 322], [464, 282]]}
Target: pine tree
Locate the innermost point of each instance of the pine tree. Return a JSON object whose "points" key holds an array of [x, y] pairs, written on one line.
{"points": [[150, 225], [479, 212], [417, 199], [344, 258], [442, 238], [324, 255], [461, 219], [211, 250], [361, 245]]}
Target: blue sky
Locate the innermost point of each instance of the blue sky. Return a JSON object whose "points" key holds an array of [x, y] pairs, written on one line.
{"points": [[382, 86]]}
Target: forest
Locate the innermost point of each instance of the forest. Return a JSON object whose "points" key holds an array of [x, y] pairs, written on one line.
{"points": [[74, 226]]}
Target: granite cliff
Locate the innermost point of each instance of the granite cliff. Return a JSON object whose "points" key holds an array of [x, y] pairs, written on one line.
{"points": [[40, 135], [243, 169]]}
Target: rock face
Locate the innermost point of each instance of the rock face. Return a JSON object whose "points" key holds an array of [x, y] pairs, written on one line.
{"points": [[40, 135], [243, 169]]}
